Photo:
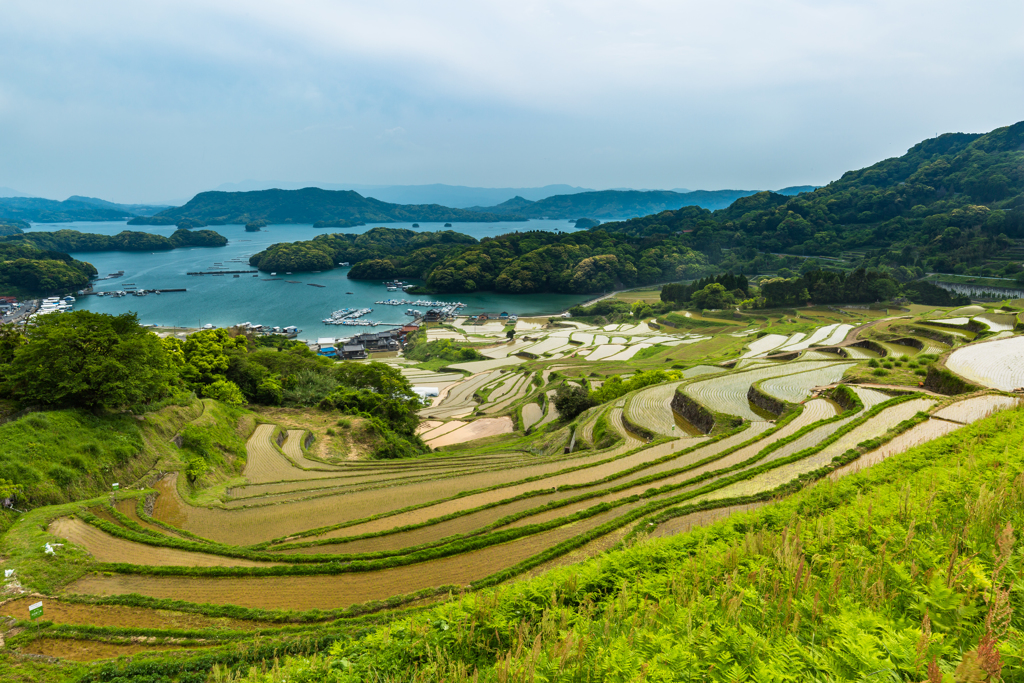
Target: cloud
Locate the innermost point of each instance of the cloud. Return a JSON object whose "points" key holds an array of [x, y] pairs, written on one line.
{"points": [[132, 100]]}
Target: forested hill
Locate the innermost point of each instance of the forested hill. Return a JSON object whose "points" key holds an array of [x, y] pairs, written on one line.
{"points": [[309, 205], [26, 270], [954, 203], [126, 240], [620, 203], [518, 262], [51, 211]]}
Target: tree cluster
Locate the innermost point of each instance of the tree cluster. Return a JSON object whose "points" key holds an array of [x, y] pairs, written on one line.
{"points": [[829, 287], [721, 291], [102, 363]]}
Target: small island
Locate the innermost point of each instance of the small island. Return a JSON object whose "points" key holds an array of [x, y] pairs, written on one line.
{"points": [[126, 240], [198, 238], [339, 223], [255, 226]]}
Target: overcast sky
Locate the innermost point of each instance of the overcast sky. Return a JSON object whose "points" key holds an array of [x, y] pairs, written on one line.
{"points": [[153, 101]]}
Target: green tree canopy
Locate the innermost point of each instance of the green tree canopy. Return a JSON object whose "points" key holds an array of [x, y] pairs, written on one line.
{"points": [[714, 296], [89, 360], [571, 400]]}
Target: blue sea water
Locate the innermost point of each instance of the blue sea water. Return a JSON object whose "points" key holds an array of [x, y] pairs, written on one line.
{"points": [[224, 300]]}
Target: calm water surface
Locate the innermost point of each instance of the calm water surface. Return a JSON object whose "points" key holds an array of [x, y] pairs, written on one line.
{"points": [[224, 300]]}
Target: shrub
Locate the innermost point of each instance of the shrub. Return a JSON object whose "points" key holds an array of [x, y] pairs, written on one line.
{"points": [[225, 391], [195, 467], [62, 475], [879, 372], [197, 439], [122, 453], [309, 387], [873, 363], [269, 392]]}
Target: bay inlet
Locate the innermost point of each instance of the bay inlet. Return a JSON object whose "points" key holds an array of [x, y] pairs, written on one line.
{"points": [[300, 299]]}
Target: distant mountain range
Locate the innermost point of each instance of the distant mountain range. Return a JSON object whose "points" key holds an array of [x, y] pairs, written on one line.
{"points": [[624, 203], [37, 210], [345, 208], [323, 208], [457, 196]]}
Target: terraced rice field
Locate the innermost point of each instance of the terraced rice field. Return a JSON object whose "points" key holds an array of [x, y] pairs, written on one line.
{"points": [[998, 322], [996, 364], [728, 394], [268, 464], [361, 531], [532, 414], [838, 335], [977, 407], [765, 344], [610, 479], [819, 336], [796, 387], [457, 400], [968, 311], [478, 429], [651, 408], [858, 353], [107, 548]]}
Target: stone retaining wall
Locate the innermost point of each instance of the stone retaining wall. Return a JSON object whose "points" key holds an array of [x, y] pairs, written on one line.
{"points": [[693, 412]]}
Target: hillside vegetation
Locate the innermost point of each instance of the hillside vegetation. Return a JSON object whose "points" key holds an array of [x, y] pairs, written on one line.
{"points": [[28, 271], [951, 204], [518, 263]]}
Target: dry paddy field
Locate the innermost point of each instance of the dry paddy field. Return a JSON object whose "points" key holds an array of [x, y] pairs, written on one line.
{"points": [[298, 534]]}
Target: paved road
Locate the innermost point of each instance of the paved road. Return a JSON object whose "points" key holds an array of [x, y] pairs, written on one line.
{"points": [[23, 313]]}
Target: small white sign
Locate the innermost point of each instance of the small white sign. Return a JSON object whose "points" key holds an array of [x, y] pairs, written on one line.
{"points": [[36, 605]]}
